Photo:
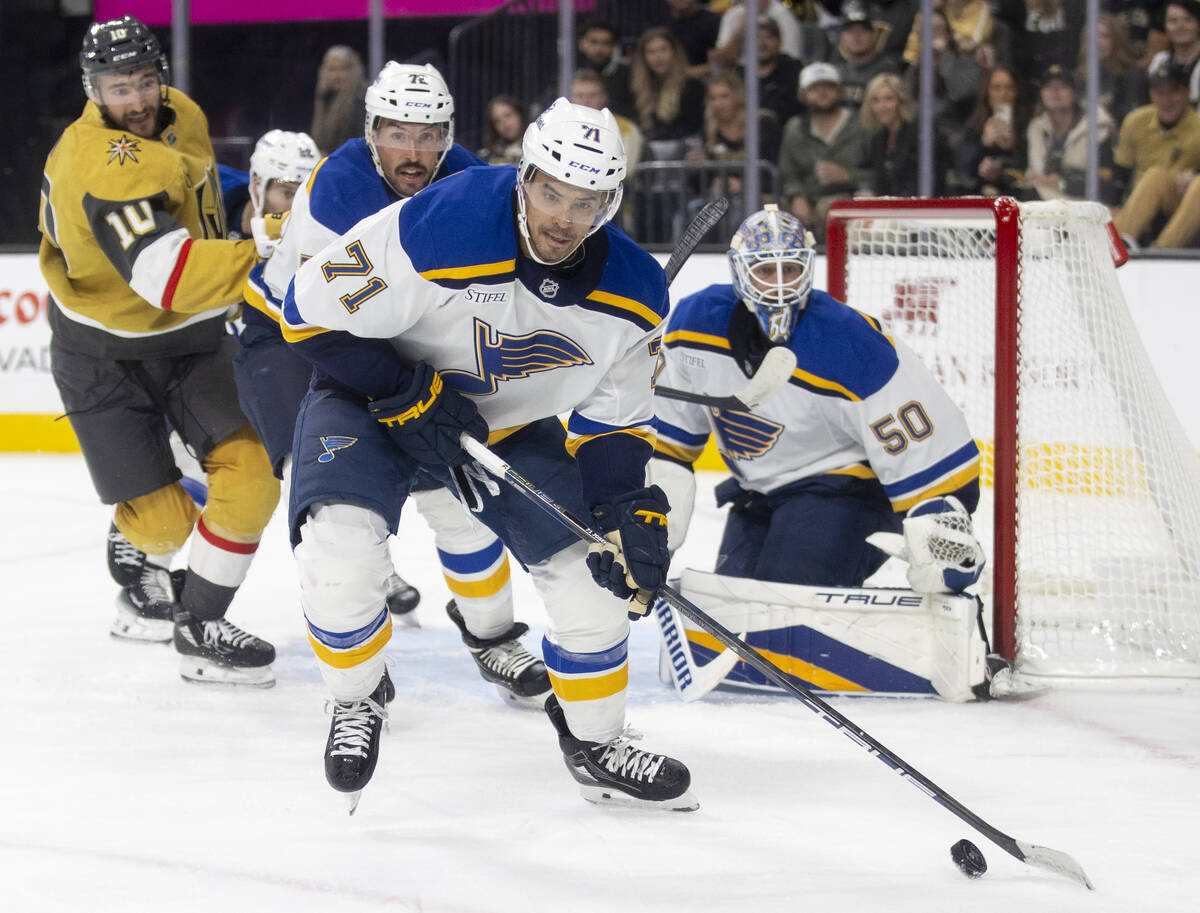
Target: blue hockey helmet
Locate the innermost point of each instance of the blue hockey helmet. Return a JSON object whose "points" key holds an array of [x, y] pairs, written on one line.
{"points": [[771, 258]]}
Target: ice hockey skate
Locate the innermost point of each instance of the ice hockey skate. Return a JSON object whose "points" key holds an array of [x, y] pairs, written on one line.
{"points": [[352, 749], [518, 675], [402, 597], [617, 773], [146, 604], [219, 652]]}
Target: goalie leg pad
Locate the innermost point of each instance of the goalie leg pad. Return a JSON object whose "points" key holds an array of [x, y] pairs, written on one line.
{"points": [[343, 563], [586, 645]]}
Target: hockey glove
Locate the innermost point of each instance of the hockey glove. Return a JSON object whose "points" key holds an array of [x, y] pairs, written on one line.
{"points": [[427, 420], [633, 563], [942, 552]]}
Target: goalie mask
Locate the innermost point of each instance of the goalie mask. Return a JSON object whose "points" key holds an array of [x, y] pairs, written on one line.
{"points": [[574, 146], [119, 46], [406, 94], [280, 155], [771, 258]]}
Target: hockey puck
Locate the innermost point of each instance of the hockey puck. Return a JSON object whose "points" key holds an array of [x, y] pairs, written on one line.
{"points": [[968, 858]]}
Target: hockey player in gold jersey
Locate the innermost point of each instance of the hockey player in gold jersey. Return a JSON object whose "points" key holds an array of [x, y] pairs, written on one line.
{"points": [[141, 278]]}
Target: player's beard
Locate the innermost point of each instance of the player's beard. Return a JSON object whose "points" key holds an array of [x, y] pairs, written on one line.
{"points": [[409, 177], [143, 123]]}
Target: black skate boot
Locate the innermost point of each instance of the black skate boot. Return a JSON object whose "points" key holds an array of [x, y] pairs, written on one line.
{"points": [[617, 773], [517, 674], [352, 749], [146, 605], [221, 652], [402, 598]]}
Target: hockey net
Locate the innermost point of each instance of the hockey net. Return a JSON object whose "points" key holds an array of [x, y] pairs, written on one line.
{"points": [[1091, 487]]}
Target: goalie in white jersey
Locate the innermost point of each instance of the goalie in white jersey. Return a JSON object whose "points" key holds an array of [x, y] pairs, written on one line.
{"points": [[489, 303], [861, 440]]}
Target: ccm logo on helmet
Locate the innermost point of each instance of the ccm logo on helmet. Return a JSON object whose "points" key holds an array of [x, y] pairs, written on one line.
{"points": [[583, 167], [417, 104]]}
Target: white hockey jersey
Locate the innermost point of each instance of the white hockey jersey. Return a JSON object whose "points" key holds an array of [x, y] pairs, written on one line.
{"points": [[440, 276], [859, 404]]}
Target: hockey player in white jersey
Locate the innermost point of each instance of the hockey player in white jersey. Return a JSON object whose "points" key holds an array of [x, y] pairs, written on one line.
{"points": [[489, 304], [862, 439], [408, 143]]}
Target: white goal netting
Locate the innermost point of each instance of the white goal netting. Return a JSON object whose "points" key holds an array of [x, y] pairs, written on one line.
{"points": [[1106, 553]]}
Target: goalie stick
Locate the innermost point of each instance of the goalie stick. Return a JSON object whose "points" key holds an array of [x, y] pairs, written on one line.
{"points": [[775, 371], [1043, 857]]}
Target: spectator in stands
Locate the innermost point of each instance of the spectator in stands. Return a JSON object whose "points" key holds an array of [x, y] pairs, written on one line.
{"points": [[598, 49], [991, 157], [503, 127], [588, 89], [696, 27], [778, 73], [1123, 85], [1159, 148], [892, 165], [1143, 22], [894, 19], [859, 56], [973, 26], [731, 37], [1047, 33], [669, 103], [1057, 140], [956, 79], [1182, 23], [821, 155], [338, 109]]}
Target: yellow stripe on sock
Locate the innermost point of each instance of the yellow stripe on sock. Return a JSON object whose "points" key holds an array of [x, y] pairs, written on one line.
{"points": [[346, 659], [481, 589], [591, 689]]}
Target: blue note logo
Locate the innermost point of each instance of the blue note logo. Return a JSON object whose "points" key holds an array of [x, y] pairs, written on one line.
{"points": [[500, 356], [744, 436], [333, 443]]}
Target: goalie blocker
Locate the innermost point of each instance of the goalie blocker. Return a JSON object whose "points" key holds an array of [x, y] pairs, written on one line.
{"points": [[833, 639]]}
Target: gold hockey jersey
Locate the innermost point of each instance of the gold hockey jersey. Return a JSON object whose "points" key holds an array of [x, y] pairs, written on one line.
{"points": [[133, 245]]}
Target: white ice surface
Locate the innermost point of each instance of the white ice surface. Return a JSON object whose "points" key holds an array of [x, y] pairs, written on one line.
{"points": [[122, 788]]}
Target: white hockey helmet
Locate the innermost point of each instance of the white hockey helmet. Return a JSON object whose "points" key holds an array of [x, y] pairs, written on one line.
{"points": [[409, 94], [771, 257], [578, 146], [280, 155]]}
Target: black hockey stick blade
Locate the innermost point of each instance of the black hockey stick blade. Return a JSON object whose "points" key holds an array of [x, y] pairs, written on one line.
{"points": [[775, 371], [1043, 857], [709, 215]]}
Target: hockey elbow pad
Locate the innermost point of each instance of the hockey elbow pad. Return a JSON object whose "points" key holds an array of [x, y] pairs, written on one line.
{"points": [[428, 419], [633, 562]]}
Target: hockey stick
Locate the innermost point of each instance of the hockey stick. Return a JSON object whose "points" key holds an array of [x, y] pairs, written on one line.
{"points": [[775, 371], [692, 681], [709, 215], [1043, 857]]}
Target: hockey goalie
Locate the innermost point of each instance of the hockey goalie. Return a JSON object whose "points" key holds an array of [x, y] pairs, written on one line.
{"points": [[859, 456]]}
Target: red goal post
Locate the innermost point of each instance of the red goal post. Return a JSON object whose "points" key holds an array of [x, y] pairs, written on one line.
{"points": [[1091, 486]]}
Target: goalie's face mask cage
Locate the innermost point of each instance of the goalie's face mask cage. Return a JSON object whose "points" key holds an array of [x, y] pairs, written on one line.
{"points": [[117, 47], [569, 178], [771, 260], [283, 156], [409, 124]]}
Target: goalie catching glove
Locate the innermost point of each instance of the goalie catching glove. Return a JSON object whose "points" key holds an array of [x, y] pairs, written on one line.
{"points": [[633, 563], [428, 419], [942, 552]]}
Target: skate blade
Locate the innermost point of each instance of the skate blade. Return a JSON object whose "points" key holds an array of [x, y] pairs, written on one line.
{"points": [[521, 702], [129, 625], [193, 669], [607, 795], [352, 800]]}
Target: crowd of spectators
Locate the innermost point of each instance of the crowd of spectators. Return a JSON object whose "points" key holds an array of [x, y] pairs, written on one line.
{"points": [[837, 113]]}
